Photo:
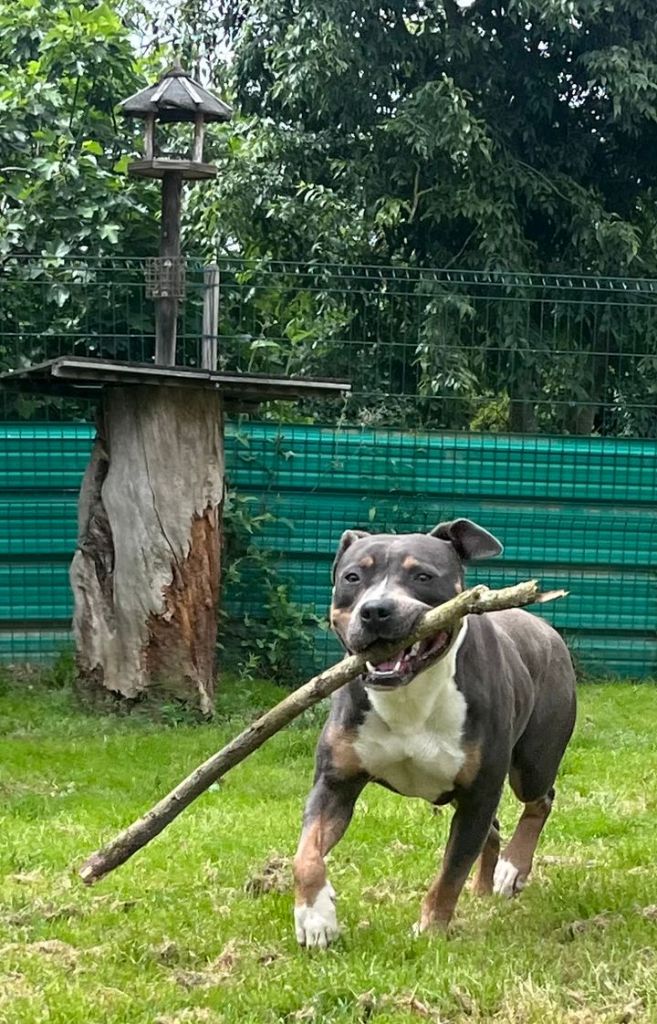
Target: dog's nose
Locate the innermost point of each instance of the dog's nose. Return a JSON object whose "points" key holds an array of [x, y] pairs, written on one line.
{"points": [[374, 612]]}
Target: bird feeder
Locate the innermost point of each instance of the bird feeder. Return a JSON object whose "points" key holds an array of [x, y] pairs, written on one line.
{"points": [[145, 573], [175, 99]]}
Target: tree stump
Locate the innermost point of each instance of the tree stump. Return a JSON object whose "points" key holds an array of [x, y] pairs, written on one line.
{"points": [[145, 574]]}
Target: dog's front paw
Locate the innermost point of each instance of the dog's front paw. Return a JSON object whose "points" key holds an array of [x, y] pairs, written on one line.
{"points": [[428, 925], [507, 880], [316, 923]]}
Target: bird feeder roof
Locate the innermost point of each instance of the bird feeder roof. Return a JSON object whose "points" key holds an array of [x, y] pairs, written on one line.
{"points": [[176, 97]]}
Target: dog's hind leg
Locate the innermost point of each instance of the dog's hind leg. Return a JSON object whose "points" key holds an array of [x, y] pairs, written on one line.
{"points": [[485, 870], [515, 864], [328, 811], [534, 765]]}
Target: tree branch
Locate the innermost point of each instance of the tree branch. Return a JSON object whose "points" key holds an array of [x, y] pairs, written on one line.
{"points": [[471, 602]]}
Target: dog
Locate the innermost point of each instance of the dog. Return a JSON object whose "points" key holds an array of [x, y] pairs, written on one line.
{"points": [[447, 721]]}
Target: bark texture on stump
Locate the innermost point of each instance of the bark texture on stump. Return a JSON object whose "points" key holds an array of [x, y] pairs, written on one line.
{"points": [[145, 574]]}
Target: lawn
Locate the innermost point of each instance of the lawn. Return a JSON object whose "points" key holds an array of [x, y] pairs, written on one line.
{"points": [[197, 927]]}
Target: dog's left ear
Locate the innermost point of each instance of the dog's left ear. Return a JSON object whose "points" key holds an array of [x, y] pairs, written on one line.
{"points": [[346, 540], [470, 541]]}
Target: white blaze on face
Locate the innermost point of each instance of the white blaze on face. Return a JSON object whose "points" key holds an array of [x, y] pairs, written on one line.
{"points": [[380, 590], [316, 923]]}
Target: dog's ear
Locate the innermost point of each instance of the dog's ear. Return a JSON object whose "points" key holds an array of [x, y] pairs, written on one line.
{"points": [[346, 540], [470, 541]]}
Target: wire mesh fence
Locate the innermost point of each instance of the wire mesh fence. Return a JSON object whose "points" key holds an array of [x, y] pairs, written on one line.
{"points": [[438, 349], [451, 349], [524, 402]]}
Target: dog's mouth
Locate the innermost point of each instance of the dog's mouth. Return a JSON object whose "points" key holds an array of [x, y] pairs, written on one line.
{"points": [[400, 670]]}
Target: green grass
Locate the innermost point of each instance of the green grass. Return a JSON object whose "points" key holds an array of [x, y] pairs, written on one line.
{"points": [[178, 934]]}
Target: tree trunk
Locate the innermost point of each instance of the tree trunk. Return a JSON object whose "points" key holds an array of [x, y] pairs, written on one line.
{"points": [[522, 414], [145, 574], [580, 417]]}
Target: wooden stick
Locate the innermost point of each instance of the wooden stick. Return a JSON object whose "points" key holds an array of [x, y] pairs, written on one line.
{"points": [[475, 601]]}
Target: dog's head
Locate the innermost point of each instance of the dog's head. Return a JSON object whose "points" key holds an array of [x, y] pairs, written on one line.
{"points": [[383, 583]]}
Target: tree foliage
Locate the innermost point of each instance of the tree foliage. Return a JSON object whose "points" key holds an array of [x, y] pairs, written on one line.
{"points": [[517, 134], [504, 136], [64, 195], [64, 65]]}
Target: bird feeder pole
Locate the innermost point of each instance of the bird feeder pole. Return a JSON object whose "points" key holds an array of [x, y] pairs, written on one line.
{"points": [[167, 305]]}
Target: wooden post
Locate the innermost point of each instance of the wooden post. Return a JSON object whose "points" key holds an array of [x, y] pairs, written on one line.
{"points": [[199, 132], [211, 283], [145, 574], [167, 305], [149, 137]]}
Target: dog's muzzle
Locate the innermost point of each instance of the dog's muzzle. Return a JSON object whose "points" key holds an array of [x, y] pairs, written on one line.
{"points": [[412, 660]]}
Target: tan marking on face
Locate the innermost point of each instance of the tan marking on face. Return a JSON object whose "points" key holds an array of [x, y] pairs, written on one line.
{"points": [[344, 757], [410, 563], [470, 767], [309, 868], [366, 562], [340, 619]]}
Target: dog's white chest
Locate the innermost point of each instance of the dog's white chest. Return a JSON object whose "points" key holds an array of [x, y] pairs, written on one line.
{"points": [[412, 737]]}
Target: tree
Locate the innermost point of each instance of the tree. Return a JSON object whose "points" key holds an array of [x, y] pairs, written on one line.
{"points": [[517, 135], [64, 193], [503, 136], [63, 68]]}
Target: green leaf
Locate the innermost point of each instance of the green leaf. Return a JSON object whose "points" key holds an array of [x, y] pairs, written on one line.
{"points": [[109, 232]]}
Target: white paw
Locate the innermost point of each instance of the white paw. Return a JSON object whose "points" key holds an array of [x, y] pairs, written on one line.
{"points": [[507, 880], [421, 928], [316, 924]]}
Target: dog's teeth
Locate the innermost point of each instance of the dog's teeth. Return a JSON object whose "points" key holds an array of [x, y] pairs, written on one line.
{"points": [[415, 649], [370, 666], [398, 665]]}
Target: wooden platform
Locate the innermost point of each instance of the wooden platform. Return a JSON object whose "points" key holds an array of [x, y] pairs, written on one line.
{"points": [[85, 378], [190, 170]]}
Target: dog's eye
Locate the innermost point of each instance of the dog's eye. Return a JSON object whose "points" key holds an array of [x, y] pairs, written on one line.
{"points": [[352, 577], [423, 577]]}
